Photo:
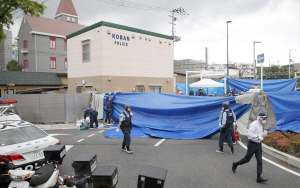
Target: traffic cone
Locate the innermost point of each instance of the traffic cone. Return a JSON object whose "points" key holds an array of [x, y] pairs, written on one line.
{"points": [[236, 134]]}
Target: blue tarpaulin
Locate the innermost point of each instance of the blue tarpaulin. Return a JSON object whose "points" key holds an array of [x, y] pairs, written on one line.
{"points": [[286, 106], [1, 99], [212, 90], [172, 116], [279, 85]]}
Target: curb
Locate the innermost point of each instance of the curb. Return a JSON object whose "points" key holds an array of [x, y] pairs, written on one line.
{"points": [[281, 156], [57, 126]]}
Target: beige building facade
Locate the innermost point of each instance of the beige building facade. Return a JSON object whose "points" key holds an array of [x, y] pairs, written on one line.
{"points": [[107, 57]]}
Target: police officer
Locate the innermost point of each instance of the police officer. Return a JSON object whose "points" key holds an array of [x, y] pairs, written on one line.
{"points": [[126, 126], [93, 116], [109, 107], [197, 92], [256, 134], [191, 92], [226, 120]]}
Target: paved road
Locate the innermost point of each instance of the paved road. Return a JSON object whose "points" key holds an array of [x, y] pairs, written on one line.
{"points": [[190, 163]]}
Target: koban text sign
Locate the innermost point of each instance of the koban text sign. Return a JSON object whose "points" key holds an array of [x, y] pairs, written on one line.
{"points": [[122, 39]]}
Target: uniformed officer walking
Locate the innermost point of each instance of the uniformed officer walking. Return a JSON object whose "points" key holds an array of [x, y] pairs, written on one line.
{"points": [[256, 134], [109, 107], [227, 119], [126, 126], [93, 116]]}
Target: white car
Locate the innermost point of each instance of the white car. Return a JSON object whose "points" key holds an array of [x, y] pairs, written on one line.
{"points": [[22, 143]]}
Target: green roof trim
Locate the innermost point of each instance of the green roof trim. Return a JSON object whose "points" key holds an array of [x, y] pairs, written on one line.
{"points": [[117, 26]]}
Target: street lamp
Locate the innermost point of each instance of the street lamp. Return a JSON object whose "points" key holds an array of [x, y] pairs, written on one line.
{"points": [[289, 63], [227, 60], [254, 63]]}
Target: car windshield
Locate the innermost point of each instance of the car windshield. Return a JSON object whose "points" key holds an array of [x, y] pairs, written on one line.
{"points": [[19, 135]]}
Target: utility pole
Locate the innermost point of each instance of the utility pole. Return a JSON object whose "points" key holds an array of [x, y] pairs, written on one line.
{"points": [[180, 11], [290, 63]]}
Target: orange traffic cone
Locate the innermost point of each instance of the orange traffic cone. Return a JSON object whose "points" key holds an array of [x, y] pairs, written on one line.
{"points": [[236, 134]]}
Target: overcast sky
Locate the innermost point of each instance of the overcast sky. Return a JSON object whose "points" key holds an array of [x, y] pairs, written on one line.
{"points": [[273, 22]]}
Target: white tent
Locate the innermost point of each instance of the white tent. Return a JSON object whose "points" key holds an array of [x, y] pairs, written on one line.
{"points": [[206, 82]]}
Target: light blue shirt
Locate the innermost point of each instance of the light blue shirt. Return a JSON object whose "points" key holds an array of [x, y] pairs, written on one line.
{"points": [[222, 121], [122, 117]]}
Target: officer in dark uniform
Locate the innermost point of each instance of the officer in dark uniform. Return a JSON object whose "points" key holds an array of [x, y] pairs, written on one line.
{"points": [[126, 126], [226, 120], [109, 107], [93, 116], [191, 92]]}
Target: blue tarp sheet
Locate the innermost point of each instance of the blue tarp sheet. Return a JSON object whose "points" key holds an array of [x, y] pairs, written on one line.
{"points": [[212, 90], [172, 116], [286, 106], [279, 85], [1, 99]]}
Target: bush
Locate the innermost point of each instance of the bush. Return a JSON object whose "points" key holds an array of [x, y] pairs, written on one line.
{"points": [[285, 142]]}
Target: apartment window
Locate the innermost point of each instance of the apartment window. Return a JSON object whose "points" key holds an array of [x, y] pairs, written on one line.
{"points": [[140, 89], [155, 89], [10, 91], [66, 63], [25, 65], [86, 51], [65, 44], [52, 43], [25, 44], [79, 89], [52, 62]]}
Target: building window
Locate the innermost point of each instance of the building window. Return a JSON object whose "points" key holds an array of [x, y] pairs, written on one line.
{"points": [[25, 64], [25, 44], [86, 51], [79, 89], [65, 44], [10, 91], [52, 43], [66, 63], [155, 89], [140, 89], [52, 62]]}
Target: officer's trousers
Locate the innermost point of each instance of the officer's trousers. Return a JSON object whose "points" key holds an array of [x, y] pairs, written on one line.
{"points": [[231, 129], [93, 119], [127, 139], [253, 148], [225, 137], [109, 114]]}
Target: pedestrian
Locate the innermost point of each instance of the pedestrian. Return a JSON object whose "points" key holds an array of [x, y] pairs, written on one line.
{"points": [[126, 126], [226, 120], [93, 116], [109, 108], [197, 92], [256, 134], [191, 92]]}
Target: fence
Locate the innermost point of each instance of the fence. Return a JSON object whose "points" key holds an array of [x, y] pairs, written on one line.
{"points": [[54, 108]]}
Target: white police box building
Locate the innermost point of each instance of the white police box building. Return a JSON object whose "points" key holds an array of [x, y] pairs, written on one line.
{"points": [[107, 57]]}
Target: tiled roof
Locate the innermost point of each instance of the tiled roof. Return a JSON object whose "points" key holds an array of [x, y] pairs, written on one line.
{"points": [[67, 7], [29, 78], [47, 25]]}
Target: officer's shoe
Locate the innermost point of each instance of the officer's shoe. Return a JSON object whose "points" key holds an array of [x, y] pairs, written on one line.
{"points": [[128, 150], [234, 166], [234, 143], [261, 180], [123, 148], [220, 151], [232, 151]]}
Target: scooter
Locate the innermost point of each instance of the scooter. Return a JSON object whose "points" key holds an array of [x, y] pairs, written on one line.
{"points": [[45, 177]]}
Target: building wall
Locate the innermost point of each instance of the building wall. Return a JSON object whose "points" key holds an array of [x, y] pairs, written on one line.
{"points": [[24, 34], [182, 79], [141, 62], [44, 53], [6, 50]]}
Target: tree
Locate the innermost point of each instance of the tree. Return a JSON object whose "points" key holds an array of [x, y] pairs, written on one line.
{"points": [[7, 7], [13, 65]]}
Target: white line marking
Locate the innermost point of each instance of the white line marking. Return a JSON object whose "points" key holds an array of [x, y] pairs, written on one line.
{"points": [[101, 131], [91, 135], [273, 163], [161, 141], [68, 147], [57, 134], [80, 140]]}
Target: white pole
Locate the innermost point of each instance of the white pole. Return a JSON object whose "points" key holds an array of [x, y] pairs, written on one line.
{"points": [[262, 76], [186, 83]]}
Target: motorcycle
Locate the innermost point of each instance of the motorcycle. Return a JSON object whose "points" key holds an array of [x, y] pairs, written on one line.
{"points": [[74, 181]]}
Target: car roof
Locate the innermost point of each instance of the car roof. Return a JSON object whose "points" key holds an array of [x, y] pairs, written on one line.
{"points": [[15, 124]]}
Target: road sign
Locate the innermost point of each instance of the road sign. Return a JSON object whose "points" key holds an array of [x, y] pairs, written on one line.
{"points": [[260, 58], [10, 84]]}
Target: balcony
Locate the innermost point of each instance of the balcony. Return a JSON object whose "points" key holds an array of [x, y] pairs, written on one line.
{"points": [[24, 50]]}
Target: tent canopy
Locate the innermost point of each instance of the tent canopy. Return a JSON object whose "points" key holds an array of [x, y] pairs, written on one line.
{"points": [[206, 82]]}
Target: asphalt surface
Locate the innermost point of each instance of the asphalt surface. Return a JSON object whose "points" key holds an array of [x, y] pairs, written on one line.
{"points": [[190, 163]]}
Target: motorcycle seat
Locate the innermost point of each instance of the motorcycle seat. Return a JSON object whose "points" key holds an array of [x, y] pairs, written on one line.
{"points": [[42, 175]]}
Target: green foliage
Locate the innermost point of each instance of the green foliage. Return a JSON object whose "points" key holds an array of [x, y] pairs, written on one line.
{"points": [[285, 142], [13, 65], [9, 6]]}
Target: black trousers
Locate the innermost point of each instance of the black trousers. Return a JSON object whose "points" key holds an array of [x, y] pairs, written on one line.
{"points": [[253, 148]]}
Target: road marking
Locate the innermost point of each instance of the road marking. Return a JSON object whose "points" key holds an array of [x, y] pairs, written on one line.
{"points": [[91, 135], [68, 147], [80, 140], [101, 131], [161, 141], [58, 134], [273, 163]]}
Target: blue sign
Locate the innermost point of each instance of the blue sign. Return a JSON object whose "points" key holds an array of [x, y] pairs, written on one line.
{"points": [[260, 58], [16, 55], [120, 40]]}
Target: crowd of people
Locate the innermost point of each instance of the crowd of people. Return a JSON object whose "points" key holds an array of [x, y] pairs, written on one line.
{"points": [[199, 92]]}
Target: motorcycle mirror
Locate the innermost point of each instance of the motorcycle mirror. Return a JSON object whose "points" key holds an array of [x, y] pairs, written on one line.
{"points": [[5, 160]]}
